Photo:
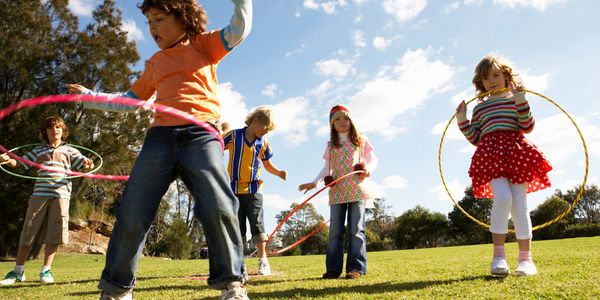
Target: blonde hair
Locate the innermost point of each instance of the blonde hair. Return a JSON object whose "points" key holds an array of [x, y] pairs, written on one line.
{"points": [[263, 115], [494, 62], [352, 134]]}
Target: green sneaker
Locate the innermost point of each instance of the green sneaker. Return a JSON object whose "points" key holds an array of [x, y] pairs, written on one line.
{"points": [[46, 277], [12, 277]]}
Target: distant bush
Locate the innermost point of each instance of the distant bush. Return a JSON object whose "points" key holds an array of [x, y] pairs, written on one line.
{"points": [[581, 230]]}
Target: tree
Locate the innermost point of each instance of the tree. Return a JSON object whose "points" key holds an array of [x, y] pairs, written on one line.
{"points": [[418, 227], [178, 242], [462, 229], [587, 210], [379, 220], [546, 212], [298, 225], [41, 49]]}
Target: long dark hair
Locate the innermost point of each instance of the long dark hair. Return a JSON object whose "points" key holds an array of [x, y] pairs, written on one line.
{"points": [[353, 135]]}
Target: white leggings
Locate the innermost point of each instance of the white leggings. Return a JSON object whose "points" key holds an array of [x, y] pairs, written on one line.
{"points": [[510, 198]]}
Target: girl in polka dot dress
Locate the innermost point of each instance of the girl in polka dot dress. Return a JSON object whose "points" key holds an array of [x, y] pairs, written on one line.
{"points": [[505, 166]]}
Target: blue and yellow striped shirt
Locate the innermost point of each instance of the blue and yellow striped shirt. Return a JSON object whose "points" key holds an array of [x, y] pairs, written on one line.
{"points": [[244, 165]]}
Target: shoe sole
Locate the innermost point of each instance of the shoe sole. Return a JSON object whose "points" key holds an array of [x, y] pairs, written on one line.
{"points": [[500, 272]]}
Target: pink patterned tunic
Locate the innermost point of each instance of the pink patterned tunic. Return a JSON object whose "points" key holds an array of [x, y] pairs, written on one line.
{"points": [[342, 161]]}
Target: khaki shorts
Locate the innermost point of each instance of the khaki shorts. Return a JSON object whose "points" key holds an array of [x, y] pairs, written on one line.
{"points": [[46, 221]]}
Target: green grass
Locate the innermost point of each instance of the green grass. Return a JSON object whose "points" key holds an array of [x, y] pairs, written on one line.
{"points": [[568, 268]]}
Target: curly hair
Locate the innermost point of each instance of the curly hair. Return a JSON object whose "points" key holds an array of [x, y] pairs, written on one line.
{"points": [[493, 62], [263, 115], [191, 14], [49, 122]]}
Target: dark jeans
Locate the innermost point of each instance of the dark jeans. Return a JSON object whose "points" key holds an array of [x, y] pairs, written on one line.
{"points": [[251, 207], [195, 155]]}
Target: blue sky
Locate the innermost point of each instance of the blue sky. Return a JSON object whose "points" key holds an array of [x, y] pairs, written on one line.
{"points": [[401, 66]]}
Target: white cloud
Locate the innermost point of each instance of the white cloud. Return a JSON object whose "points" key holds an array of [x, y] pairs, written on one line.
{"points": [[456, 188], [404, 10], [394, 182], [322, 89], [537, 4], [291, 120], [381, 43], [329, 7], [134, 33], [452, 133], [358, 39], [558, 139], [82, 7], [233, 107], [270, 90], [334, 68], [297, 51], [450, 7], [536, 83], [382, 100]]}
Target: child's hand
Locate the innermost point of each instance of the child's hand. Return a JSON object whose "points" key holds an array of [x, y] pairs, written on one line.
{"points": [[4, 158], [461, 112], [282, 174], [519, 92], [88, 164], [305, 187], [75, 88]]}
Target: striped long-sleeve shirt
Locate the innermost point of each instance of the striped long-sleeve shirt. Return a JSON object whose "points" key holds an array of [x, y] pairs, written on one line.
{"points": [[495, 115], [63, 157]]}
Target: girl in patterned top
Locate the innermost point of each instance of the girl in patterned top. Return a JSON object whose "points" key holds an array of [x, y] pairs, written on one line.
{"points": [[505, 166], [346, 151]]}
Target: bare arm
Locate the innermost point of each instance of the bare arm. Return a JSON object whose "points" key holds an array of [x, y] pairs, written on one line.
{"points": [[5, 159], [271, 168]]}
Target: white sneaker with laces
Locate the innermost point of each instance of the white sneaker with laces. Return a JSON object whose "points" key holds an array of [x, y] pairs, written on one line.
{"points": [[264, 268], [499, 266], [526, 268], [234, 291]]}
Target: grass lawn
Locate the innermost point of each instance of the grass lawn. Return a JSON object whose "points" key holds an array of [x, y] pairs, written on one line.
{"points": [[568, 269]]}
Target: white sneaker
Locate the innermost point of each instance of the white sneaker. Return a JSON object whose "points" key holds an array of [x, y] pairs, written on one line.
{"points": [[526, 268], [107, 296], [263, 266], [12, 277], [46, 277], [499, 266], [234, 291]]}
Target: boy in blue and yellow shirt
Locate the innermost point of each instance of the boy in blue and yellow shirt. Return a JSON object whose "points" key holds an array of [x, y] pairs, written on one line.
{"points": [[246, 147]]}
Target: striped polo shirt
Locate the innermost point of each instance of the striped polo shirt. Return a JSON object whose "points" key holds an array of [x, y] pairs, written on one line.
{"points": [[495, 115], [63, 157], [244, 161]]}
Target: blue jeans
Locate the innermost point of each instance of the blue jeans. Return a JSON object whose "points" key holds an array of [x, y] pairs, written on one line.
{"points": [[251, 207], [357, 252], [195, 155]]}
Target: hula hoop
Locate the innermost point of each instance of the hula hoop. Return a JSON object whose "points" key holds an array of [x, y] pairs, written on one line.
{"points": [[60, 171], [44, 100], [298, 207], [561, 215]]}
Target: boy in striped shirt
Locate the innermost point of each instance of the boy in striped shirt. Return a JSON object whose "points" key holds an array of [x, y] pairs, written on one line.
{"points": [[47, 217], [246, 147]]}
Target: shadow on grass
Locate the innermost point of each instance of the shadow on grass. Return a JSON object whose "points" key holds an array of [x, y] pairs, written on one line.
{"points": [[376, 288]]}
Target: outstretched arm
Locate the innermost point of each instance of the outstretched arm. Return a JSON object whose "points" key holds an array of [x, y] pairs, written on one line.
{"points": [[240, 24], [116, 107], [271, 168]]}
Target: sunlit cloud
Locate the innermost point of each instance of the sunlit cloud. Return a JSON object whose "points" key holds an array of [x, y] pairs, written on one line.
{"points": [[134, 33], [404, 10]]}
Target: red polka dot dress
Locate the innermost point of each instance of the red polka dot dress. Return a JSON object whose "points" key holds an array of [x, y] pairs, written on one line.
{"points": [[497, 130]]}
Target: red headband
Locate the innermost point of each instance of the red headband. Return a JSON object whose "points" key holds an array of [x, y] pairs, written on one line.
{"points": [[336, 109]]}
